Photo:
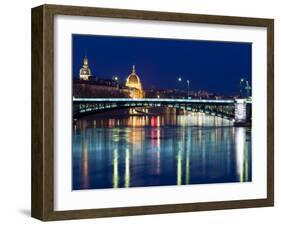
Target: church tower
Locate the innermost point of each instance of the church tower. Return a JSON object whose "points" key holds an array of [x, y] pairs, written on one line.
{"points": [[85, 71]]}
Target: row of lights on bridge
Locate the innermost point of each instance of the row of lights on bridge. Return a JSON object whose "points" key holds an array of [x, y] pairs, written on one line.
{"points": [[242, 80]]}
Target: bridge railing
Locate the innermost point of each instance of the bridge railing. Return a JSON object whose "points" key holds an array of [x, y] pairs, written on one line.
{"points": [[106, 100]]}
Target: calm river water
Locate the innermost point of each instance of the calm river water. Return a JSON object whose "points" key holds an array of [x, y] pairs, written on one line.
{"points": [[137, 151]]}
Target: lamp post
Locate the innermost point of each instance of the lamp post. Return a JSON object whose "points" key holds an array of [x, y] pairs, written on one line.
{"points": [[241, 84], [248, 88], [179, 79], [187, 81], [115, 78]]}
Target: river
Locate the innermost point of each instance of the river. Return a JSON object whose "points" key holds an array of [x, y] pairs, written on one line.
{"points": [[139, 151]]}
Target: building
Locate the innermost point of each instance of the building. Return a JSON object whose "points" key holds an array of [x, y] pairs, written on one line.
{"points": [[85, 71], [134, 84]]}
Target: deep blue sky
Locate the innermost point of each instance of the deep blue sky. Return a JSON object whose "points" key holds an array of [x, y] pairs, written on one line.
{"points": [[209, 65]]}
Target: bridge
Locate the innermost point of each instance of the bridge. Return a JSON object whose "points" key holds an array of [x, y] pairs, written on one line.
{"points": [[236, 110]]}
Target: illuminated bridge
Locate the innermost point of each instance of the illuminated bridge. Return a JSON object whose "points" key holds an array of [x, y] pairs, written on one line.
{"points": [[237, 110]]}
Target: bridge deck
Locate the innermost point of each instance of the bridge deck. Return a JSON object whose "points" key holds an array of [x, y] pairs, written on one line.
{"points": [[158, 100]]}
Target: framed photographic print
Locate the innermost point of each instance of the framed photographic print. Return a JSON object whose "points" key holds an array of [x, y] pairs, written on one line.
{"points": [[141, 112]]}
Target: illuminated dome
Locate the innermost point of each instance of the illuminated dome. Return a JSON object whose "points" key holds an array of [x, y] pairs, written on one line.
{"points": [[133, 79], [133, 82]]}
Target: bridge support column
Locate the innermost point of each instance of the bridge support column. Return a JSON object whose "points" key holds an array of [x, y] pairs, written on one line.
{"points": [[240, 112]]}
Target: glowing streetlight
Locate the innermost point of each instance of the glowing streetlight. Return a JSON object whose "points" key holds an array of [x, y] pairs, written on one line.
{"points": [[116, 78], [179, 79]]}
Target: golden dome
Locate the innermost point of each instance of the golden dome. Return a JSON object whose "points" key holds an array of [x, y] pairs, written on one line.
{"points": [[134, 83], [133, 80]]}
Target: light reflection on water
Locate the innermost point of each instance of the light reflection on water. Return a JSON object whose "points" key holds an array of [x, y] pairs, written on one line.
{"points": [[139, 151]]}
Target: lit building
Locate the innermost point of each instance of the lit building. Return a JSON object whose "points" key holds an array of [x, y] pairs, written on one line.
{"points": [[134, 84], [85, 71]]}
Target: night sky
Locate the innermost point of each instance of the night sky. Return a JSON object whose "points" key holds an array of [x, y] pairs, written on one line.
{"points": [[208, 65]]}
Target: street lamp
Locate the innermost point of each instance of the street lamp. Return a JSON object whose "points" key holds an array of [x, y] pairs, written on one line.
{"points": [[180, 80], [187, 81], [241, 84], [115, 78], [248, 88]]}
